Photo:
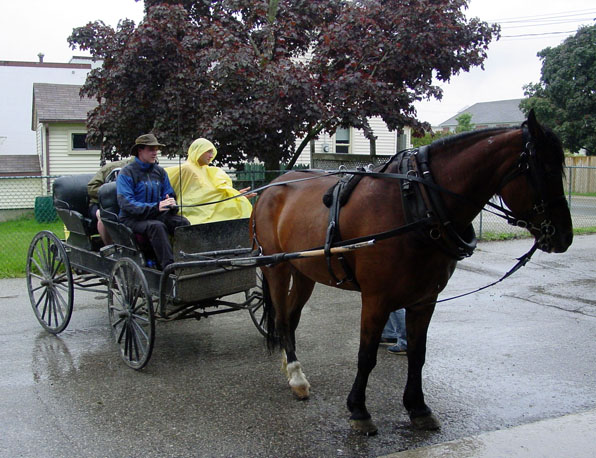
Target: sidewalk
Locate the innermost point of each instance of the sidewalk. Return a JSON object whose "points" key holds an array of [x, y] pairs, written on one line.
{"points": [[567, 436]]}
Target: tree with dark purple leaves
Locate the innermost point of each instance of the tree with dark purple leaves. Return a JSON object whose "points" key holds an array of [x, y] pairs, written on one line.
{"points": [[257, 76]]}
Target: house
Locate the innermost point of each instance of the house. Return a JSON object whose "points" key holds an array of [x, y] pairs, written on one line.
{"points": [[500, 113], [58, 119], [349, 146], [59, 116]]}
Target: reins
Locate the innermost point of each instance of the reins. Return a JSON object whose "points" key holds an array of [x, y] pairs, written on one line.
{"points": [[521, 262]]}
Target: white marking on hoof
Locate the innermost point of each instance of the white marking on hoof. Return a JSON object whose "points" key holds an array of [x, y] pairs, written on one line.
{"points": [[298, 383]]}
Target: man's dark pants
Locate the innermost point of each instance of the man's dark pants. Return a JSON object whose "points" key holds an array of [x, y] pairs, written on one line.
{"points": [[157, 231]]}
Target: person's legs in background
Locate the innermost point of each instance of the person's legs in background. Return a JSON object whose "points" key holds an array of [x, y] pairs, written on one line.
{"points": [[397, 322]]}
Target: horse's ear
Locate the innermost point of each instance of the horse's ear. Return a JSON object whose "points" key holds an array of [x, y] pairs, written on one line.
{"points": [[533, 126]]}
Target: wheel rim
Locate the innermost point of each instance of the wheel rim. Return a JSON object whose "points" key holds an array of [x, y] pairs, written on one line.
{"points": [[130, 311], [49, 282], [256, 307]]}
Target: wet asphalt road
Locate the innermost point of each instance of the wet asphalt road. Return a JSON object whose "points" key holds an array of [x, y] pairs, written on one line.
{"points": [[516, 353]]}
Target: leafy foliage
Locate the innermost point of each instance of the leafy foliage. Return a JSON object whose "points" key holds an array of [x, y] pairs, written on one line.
{"points": [[428, 138], [565, 97], [256, 75], [464, 123]]}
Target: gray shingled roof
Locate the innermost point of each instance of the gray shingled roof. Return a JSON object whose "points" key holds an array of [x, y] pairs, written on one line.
{"points": [[59, 103], [19, 164], [497, 112]]}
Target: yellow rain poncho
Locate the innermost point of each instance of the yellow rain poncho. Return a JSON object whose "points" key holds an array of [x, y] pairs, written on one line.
{"points": [[197, 184]]}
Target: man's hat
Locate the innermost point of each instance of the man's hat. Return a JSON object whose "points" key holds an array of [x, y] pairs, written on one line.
{"points": [[144, 140]]}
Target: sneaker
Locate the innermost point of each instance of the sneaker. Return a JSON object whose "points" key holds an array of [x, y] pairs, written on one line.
{"points": [[387, 341], [395, 350]]}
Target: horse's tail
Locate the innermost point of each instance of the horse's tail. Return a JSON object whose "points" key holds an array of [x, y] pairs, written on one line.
{"points": [[273, 340]]}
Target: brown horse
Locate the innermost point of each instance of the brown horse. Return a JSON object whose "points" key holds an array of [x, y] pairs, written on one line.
{"points": [[523, 165]]}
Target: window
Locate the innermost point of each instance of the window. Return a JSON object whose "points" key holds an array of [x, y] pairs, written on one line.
{"points": [[79, 142], [342, 140]]}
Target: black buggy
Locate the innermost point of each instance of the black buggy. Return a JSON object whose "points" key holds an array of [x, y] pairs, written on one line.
{"points": [[194, 286]]}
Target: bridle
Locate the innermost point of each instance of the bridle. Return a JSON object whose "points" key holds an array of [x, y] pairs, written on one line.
{"points": [[528, 165]]}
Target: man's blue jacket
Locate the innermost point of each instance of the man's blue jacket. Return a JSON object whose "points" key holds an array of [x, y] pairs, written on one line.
{"points": [[140, 188]]}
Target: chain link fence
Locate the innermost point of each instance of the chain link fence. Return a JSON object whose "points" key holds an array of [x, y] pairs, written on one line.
{"points": [[26, 207]]}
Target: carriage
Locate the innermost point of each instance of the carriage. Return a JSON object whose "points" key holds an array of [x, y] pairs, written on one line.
{"points": [[138, 294], [415, 212]]}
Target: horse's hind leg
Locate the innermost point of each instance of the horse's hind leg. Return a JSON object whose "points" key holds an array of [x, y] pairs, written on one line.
{"points": [[417, 321], [288, 302]]}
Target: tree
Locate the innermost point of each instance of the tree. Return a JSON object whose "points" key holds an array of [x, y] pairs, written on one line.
{"points": [[256, 75], [565, 97], [428, 138], [464, 123]]}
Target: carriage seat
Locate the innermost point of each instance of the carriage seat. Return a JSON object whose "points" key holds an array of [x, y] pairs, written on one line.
{"points": [[119, 232], [72, 206]]}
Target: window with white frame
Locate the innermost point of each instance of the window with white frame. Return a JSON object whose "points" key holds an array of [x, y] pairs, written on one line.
{"points": [[78, 142], [342, 140]]}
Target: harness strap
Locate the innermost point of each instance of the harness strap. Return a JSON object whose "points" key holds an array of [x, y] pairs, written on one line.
{"points": [[446, 236], [333, 234]]}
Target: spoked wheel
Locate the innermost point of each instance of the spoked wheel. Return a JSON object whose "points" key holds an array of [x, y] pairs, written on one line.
{"points": [[49, 281], [130, 310], [256, 306]]}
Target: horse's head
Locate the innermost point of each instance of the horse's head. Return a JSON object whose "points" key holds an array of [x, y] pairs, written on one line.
{"points": [[533, 189]]}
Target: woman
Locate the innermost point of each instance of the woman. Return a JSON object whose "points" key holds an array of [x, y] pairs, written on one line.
{"points": [[196, 182]]}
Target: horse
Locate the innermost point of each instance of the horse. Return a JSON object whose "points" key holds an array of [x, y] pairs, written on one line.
{"points": [[454, 179]]}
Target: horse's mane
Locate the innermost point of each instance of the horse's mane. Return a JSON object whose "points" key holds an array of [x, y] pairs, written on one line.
{"points": [[465, 137]]}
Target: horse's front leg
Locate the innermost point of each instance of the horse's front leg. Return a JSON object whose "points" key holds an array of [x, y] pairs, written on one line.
{"points": [[372, 321], [417, 321]]}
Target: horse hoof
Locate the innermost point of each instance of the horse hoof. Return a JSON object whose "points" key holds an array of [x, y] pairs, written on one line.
{"points": [[427, 422], [301, 392], [366, 427]]}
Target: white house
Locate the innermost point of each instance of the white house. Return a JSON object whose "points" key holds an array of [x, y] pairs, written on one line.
{"points": [[58, 117], [349, 146]]}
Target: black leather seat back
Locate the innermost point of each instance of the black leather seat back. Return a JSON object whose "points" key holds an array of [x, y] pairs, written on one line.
{"points": [[72, 206], [70, 193], [108, 202], [108, 211]]}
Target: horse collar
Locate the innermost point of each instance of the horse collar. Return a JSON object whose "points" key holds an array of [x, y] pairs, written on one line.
{"points": [[422, 200]]}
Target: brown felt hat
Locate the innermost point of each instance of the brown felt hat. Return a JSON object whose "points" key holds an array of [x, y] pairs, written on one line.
{"points": [[144, 140]]}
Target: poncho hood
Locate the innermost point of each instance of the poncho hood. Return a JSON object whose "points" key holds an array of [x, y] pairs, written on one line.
{"points": [[199, 147]]}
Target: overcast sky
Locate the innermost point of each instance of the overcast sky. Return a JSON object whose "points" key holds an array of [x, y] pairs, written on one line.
{"points": [[28, 27]]}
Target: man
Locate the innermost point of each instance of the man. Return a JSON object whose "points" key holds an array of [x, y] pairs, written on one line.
{"points": [[146, 199], [93, 186]]}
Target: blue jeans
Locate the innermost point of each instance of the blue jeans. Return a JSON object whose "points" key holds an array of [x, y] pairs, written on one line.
{"points": [[395, 328]]}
